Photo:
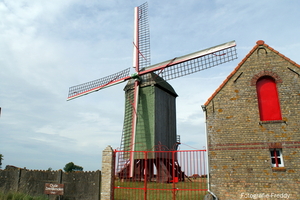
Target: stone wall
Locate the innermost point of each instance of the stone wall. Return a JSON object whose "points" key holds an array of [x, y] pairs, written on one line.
{"points": [[239, 143], [77, 185], [108, 171]]}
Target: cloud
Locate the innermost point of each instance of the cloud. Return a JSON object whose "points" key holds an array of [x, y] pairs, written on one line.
{"points": [[46, 47]]}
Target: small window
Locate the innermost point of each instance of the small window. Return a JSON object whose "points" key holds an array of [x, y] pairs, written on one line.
{"points": [[276, 157], [268, 101]]}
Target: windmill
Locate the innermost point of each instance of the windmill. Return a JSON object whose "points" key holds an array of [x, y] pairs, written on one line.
{"points": [[150, 117]]}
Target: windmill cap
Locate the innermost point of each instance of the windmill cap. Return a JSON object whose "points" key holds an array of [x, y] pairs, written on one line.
{"points": [[151, 79]]}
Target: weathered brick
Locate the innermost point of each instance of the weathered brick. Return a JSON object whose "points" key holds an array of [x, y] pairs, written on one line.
{"points": [[239, 142]]}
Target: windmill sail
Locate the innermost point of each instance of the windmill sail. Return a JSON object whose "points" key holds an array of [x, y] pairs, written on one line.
{"points": [[144, 37], [141, 44], [93, 86], [194, 62], [141, 59]]}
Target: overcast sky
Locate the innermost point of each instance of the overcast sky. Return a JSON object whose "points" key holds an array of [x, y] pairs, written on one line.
{"points": [[48, 46]]}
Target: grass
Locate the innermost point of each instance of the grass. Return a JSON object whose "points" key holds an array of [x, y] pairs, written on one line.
{"points": [[163, 191], [20, 196]]}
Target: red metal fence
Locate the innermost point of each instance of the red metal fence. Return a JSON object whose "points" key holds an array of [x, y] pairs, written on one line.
{"points": [[160, 175]]}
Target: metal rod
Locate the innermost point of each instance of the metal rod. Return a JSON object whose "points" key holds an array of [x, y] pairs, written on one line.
{"points": [[145, 176], [207, 151]]}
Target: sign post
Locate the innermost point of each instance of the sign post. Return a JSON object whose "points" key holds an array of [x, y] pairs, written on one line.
{"points": [[54, 189]]}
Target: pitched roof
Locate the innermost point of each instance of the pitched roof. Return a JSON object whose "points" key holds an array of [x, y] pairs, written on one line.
{"points": [[258, 43]]}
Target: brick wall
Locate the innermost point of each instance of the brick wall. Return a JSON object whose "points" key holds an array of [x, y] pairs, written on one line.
{"points": [[239, 143]]}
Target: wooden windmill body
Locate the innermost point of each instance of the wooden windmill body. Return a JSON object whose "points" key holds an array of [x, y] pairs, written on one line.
{"points": [[150, 107], [155, 128], [156, 111]]}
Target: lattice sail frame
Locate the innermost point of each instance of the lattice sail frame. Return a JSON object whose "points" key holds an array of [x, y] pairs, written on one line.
{"points": [[194, 62], [93, 86], [144, 37], [141, 60], [127, 124]]}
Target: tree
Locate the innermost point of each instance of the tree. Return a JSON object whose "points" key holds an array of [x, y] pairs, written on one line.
{"points": [[70, 167], [1, 158]]}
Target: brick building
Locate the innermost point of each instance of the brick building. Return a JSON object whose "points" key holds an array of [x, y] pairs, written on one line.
{"points": [[252, 123]]}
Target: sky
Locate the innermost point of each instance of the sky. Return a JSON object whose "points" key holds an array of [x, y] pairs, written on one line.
{"points": [[48, 46]]}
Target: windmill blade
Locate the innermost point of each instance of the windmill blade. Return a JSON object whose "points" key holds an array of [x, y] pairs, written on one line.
{"points": [[194, 62], [141, 58], [93, 86], [144, 36], [141, 43]]}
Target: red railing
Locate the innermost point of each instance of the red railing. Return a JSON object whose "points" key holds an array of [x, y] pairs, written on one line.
{"points": [[160, 175]]}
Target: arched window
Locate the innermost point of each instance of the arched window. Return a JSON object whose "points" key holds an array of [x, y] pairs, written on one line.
{"points": [[268, 101]]}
